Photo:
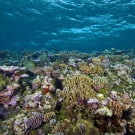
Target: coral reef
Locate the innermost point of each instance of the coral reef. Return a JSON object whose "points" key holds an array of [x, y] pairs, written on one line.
{"points": [[68, 93]]}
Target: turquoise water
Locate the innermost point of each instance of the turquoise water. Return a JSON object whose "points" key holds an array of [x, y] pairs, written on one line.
{"points": [[83, 25]]}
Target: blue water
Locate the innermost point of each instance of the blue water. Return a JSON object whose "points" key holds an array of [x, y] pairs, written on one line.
{"points": [[83, 25]]}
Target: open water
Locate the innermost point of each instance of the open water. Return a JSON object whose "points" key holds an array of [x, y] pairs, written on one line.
{"points": [[83, 25]]}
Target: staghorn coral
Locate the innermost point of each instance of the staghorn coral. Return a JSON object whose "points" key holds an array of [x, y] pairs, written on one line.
{"points": [[77, 86], [77, 90], [116, 108], [72, 81]]}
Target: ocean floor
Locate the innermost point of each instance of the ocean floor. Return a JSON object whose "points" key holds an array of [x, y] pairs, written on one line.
{"points": [[67, 93]]}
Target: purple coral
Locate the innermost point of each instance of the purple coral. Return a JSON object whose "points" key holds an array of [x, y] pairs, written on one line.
{"points": [[34, 122], [13, 101], [93, 104]]}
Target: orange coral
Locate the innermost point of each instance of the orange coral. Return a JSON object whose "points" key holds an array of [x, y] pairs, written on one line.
{"points": [[45, 90]]}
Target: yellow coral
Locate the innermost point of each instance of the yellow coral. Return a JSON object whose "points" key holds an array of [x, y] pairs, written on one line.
{"points": [[77, 87], [96, 60], [91, 69], [48, 116]]}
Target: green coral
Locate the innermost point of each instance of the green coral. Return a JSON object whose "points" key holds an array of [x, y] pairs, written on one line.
{"points": [[43, 56], [104, 92], [34, 132], [3, 81], [29, 64]]}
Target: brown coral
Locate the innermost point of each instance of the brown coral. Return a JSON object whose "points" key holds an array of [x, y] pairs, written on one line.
{"points": [[78, 86], [77, 90], [91, 69], [36, 70], [96, 60], [59, 127], [56, 73], [116, 108], [48, 116], [131, 123], [126, 101], [48, 70]]}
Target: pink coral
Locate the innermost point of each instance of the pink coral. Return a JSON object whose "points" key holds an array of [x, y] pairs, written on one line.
{"points": [[8, 69], [13, 100]]}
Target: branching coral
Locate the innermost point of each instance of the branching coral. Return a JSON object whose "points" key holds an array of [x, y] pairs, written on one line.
{"points": [[91, 69], [48, 116], [59, 127], [77, 87], [96, 60], [77, 91], [116, 108], [100, 82]]}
